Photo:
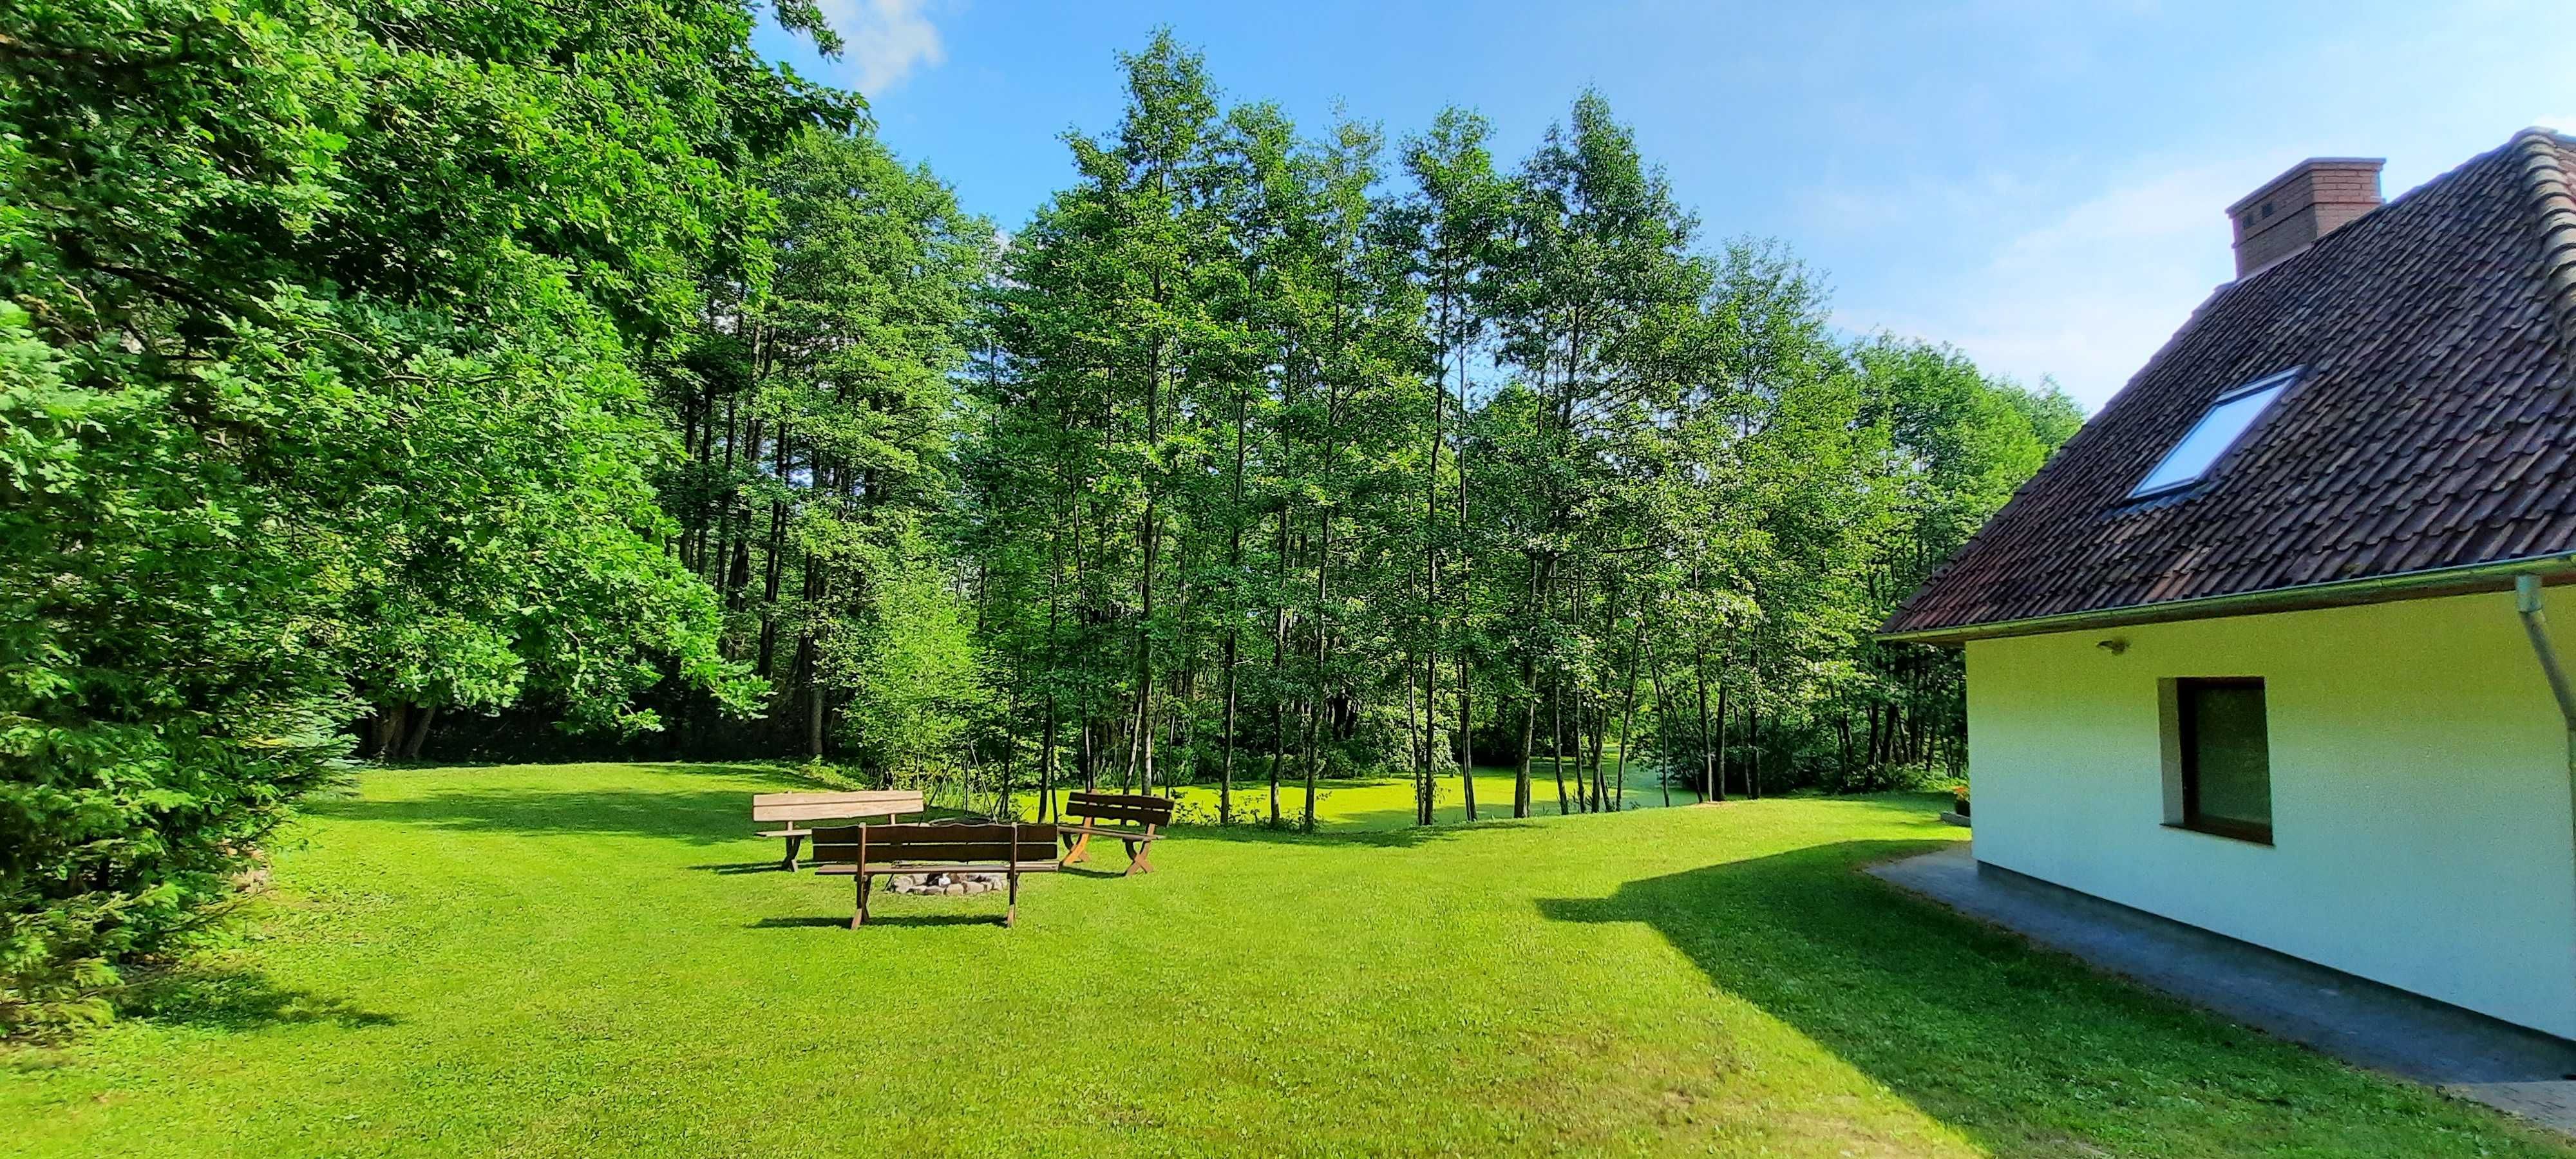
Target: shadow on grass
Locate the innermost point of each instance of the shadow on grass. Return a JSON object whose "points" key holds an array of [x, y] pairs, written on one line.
{"points": [[810, 922], [878, 919], [2026, 1051], [730, 868], [233, 999], [698, 816]]}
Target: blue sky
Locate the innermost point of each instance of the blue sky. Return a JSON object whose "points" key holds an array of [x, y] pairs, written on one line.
{"points": [[2039, 184]]}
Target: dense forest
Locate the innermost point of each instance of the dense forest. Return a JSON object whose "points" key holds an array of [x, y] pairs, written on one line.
{"points": [[392, 381]]}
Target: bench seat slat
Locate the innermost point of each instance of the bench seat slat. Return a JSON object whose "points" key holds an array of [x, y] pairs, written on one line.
{"points": [[1143, 809], [858, 797], [877, 856], [845, 869], [829, 811]]}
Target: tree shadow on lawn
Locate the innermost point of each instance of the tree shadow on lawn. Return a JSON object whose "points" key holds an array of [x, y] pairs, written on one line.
{"points": [[812, 922], [2025, 1050], [225, 998], [697, 816]]}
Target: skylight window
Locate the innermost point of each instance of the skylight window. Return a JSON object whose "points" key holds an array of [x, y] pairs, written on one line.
{"points": [[2209, 439]]}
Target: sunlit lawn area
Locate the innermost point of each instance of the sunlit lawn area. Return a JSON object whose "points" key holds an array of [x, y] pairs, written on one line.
{"points": [[598, 960]]}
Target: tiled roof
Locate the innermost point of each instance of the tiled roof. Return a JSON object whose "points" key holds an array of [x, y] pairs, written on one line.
{"points": [[2434, 427]]}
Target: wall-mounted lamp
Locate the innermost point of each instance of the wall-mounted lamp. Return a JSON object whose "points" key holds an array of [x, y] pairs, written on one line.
{"points": [[2115, 645]]}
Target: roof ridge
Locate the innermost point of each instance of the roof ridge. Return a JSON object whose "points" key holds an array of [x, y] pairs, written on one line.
{"points": [[2545, 182]]}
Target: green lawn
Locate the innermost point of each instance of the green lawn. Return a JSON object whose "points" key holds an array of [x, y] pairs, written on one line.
{"points": [[593, 960]]}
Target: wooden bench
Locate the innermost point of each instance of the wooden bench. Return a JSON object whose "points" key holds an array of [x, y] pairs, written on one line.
{"points": [[1133, 818], [786, 810], [868, 852]]}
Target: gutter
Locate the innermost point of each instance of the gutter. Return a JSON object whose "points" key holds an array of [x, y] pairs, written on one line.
{"points": [[2331, 593], [2535, 623]]}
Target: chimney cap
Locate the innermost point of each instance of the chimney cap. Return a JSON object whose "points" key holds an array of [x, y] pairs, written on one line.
{"points": [[2370, 165]]}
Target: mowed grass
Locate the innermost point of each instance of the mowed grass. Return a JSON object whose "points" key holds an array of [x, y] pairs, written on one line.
{"points": [[598, 960]]}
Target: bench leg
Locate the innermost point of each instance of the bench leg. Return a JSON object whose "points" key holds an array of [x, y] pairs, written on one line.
{"points": [[1081, 850], [1140, 853], [1011, 912], [793, 843], [861, 918]]}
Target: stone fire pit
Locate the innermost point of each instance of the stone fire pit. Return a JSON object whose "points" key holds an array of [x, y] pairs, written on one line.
{"points": [[952, 884]]}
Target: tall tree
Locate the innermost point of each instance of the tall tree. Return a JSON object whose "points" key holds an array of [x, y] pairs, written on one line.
{"points": [[334, 331]]}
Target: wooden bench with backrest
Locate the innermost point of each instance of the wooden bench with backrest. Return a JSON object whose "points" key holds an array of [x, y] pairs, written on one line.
{"points": [[787, 810], [868, 852], [1136, 819]]}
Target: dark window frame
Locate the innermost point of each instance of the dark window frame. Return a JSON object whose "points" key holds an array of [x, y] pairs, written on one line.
{"points": [[2187, 722], [2283, 384]]}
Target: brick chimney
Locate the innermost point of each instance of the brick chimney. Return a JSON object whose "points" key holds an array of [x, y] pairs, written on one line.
{"points": [[2289, 213]]}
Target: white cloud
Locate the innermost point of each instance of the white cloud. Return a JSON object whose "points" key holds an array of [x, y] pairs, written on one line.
{"points": [[2564, 123], [2087, 295], [886, 39]]}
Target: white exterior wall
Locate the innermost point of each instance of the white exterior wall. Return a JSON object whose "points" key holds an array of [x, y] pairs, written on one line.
{"points": [[2420, 804]]}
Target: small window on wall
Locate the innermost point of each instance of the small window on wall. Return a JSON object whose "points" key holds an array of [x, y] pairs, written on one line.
{"points": [[2219, 758]]}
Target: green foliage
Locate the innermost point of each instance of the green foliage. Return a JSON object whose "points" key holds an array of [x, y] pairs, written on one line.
{"points": [[1273, 468], [917, 678], [332, 335], [161, 692], [817, 487]]}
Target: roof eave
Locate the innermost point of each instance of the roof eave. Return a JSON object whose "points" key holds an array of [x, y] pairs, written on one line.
{"points": [[2555, 567]]}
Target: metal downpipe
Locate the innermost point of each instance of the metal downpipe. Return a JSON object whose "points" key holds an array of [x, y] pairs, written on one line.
{"points": [[2535, 623]]}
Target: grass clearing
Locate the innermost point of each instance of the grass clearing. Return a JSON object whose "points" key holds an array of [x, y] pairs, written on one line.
{"points": [[598, 959]]}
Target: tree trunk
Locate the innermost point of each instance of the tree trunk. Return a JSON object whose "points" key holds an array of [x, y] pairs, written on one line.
{"points": [[1753, 740], [386, 733], [1663, 717], [1712, 786], [1529, 710], [1323, 653], [1628, 710], [1431, 599], [1556, 736], [1278, 661], [1466, 738], [1458, 584], [418, 733], [1233, 618], [816, 702], [1421, 749]]}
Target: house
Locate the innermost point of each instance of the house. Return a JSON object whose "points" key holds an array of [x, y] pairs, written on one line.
{"points": [[2273, 646]]}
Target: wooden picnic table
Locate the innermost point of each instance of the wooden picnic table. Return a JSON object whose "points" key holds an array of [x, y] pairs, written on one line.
{"points": [[788, 810]]}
